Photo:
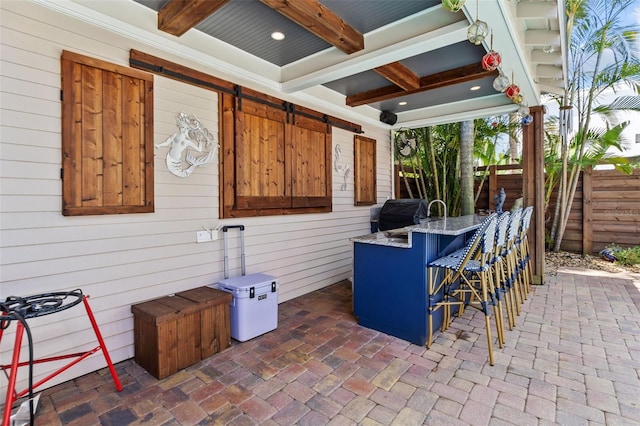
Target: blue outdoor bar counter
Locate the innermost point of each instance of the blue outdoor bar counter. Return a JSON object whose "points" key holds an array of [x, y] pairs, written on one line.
{"points": [[390, 274]]}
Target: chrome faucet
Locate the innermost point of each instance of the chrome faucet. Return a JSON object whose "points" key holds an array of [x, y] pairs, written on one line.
{"points": [[438, 201]]}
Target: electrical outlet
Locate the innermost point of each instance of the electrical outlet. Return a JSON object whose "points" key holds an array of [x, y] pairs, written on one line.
{"points": [[203, 236], [214, 235]]}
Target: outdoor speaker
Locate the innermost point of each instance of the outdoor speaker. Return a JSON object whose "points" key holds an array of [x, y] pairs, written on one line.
{"points": [[388, 117]]}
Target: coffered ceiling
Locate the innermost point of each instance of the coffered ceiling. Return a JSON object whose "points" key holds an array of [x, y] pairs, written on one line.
{"points": [[408, 57]]}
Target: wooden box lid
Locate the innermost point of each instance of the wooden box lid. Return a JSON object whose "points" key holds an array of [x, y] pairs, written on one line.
{"points": [[164, 309], [206, 296]]}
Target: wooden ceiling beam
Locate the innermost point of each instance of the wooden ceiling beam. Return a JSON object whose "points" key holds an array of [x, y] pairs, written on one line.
{"points": [[321, 21], [399, 75], [179, 16], [434, 81]]}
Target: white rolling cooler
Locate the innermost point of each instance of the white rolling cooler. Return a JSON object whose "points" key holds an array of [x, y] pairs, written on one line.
{"points": [[254, 306]]}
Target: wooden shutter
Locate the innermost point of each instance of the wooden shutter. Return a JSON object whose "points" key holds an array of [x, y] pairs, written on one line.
{"points": [[281, 160], [364, 174], [107, 138], [262, 181], [310, 165]]}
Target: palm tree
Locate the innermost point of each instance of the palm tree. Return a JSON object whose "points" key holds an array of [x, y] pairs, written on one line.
{"points": [[445, 145], [488, 132], [466, 167], [595, 32], [434, 170], [438, 167]]}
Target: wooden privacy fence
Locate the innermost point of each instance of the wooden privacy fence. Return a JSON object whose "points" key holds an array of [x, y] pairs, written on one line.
{"points": [[508, 177], [610, 210], [605, 210]]}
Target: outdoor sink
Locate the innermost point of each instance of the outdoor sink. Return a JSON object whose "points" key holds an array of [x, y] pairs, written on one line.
{"points": [[397, 236], [398, 240]]}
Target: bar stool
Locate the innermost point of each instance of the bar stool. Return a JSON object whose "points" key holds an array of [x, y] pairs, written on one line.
{"points": [[467, 281], [477, 284], [524, 266], [510, 254], [441, 278], [498, 263], [20, 309]]}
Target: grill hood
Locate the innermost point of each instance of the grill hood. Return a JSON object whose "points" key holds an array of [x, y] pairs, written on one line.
{"points": [[402, 212]]}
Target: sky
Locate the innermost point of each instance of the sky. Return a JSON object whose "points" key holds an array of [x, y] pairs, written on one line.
{"points": [[635, 16], [629, 135]]}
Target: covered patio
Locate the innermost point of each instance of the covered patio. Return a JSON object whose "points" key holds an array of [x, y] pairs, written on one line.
{"points": [[573, 359], [132, 232]]}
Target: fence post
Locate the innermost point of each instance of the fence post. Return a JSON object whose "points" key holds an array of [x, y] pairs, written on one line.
{"points": [[533, 188], [587, 211]]}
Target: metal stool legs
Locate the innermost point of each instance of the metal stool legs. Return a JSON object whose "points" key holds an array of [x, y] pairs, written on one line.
{"points": [[13, 395]]}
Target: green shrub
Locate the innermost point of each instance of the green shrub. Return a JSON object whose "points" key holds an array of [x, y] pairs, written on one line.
{"points": [[626, 256]]}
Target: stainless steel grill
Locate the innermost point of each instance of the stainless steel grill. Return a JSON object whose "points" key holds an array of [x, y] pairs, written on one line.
{"points": [[401, 212]]}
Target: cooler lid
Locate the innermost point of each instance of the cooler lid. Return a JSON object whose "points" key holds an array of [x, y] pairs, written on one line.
{"points": [[245, 282]]}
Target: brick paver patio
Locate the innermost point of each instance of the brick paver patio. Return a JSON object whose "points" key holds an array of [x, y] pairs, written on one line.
{"points": [[573, 359]]}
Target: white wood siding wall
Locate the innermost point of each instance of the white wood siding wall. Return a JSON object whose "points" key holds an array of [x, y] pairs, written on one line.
{"points": [[120, 260]]}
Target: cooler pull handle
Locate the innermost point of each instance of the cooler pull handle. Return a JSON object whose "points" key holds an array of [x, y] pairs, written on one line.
{"points": [[226, 250], [252, 292], [273, 286]]}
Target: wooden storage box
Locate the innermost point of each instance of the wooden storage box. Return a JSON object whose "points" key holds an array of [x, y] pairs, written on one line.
{"points": [[215, 318], [166, 335]]}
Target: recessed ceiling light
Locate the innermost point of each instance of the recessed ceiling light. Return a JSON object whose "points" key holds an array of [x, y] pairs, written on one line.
{"points": [[402, 103], [277, 35], [474, 88]]}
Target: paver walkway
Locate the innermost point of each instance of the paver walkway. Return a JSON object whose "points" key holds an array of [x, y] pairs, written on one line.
{"points": [[574, 359]]}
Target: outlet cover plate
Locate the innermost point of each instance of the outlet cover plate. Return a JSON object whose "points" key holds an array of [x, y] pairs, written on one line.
{"points": [[203, 236]]}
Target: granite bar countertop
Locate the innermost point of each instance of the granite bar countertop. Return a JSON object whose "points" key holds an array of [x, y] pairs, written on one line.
{"points": [[449, 226], [393, 238], [401, 237]]}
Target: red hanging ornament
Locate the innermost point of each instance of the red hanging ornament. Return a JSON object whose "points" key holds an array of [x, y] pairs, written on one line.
{"points": [[512, 91], [491, 60]]}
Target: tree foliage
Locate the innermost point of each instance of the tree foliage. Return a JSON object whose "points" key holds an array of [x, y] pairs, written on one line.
{"points": [[602, 55], [437, 165]]}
